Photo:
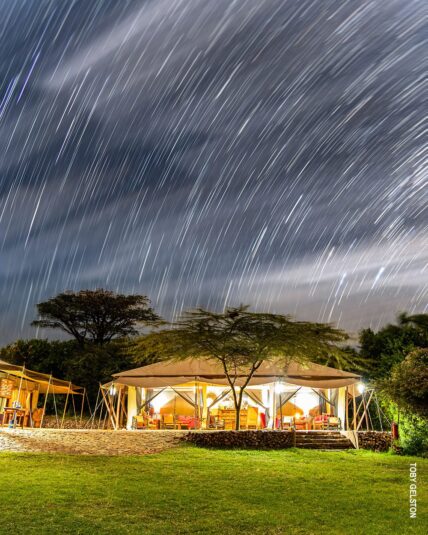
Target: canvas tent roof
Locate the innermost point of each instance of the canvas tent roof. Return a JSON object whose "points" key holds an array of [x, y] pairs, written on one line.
{"points": [[56, 386], [170, 373]]}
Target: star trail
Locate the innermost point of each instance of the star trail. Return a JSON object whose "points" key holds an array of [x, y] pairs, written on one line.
{"points": [[212, 152]]}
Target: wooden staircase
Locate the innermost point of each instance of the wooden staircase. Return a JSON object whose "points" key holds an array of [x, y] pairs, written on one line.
{"points": [[322, 440]]}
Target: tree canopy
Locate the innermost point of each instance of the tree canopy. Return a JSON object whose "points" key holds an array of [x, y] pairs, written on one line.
{"points": [[87, 366], [391, 344], [41, 355], [241, 341], [95, 316], [408, 384]]}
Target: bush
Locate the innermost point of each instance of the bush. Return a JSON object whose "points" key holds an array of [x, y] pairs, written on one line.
{"points": [[413, 435], [407, 385]]}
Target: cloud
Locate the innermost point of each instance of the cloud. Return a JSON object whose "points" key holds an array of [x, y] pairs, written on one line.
{"points": [[205, 152]]}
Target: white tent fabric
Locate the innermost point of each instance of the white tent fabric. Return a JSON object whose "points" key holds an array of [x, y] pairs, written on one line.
{"points": [[170, 373]]}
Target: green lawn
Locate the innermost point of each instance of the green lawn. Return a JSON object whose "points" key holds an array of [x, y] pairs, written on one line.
{"points": [[189, 490]]}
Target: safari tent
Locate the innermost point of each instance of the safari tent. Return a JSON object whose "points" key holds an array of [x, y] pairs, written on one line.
{"points": [[195, 394], [24, 394]]}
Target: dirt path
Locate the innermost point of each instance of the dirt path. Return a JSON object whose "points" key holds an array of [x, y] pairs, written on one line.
{"points": [[88, 442]]}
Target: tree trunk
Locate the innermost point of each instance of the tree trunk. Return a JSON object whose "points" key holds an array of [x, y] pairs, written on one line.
{"points": [[238, 403], [238, 414], [238, 399]]}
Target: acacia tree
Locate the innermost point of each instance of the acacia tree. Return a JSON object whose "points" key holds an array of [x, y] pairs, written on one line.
{"points": [[96, 316], [241, 341]]}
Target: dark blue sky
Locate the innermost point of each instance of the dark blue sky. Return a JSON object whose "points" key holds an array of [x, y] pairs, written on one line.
{"points": [[206, 152]]}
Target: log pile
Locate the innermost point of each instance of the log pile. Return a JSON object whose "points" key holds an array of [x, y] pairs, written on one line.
{"points": [[51, 422], [374, 440], [269, 440]]}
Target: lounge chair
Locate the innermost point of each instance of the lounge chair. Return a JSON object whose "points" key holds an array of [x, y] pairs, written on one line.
{"points": [[334, 423], [287, 422], [214, 422], [169, 422], [37, 417], [252, 418], [321, 421], [301, 423]]}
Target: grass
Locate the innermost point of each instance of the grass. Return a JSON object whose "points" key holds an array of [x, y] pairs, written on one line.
{"points": [[190, 490]]}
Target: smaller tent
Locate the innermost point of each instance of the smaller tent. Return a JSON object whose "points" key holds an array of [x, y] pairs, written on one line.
{"points": [[20, 389]]}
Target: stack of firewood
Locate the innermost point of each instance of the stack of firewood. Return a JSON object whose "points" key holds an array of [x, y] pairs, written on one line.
{"points": [[374, 440], [51, 422], [243, 439]]}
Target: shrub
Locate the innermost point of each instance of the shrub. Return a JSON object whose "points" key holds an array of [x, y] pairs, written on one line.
{"points": [[413, 435]]}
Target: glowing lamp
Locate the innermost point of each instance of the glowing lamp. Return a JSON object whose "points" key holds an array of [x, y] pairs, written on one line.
{"points": [[159, 401], [361, 387], [279, 388]]}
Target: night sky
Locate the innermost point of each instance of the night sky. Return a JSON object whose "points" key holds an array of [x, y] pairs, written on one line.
{"points": [[212, 152]]}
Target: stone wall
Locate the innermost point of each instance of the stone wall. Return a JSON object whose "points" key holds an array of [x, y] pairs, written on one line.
{"points": [[88, 442], [374, 440], [270, 440]]}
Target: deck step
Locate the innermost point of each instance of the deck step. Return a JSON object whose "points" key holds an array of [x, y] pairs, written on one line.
{"points": [[319, 440]]}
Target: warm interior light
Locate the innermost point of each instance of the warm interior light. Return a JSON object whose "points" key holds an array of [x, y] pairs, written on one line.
{"points": [[112, 390], [306, 400], [280, 388], [159, 401]]}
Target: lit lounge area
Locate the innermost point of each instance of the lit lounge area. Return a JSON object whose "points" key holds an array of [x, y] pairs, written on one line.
{"points": [[24, 394], [195, 394]]}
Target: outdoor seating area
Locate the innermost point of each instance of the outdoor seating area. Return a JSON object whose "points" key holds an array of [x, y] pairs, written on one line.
{"points": [[194, 394], [226, 418], [24, 394]]}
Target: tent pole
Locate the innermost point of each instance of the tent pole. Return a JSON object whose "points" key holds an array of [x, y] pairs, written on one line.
{"points": [[93, 415], [19, 395], [56, 409], [368, 412], [365, 411], [111, 414], [346, 409], [119, 394], [273, 404], [196, 401], [355, 418], [81, 408], [378, 412], [123, 406], [88, 404], [204, 407], [44, 404], [355, 409], [73, 400], [101, 407], [65, 405], [101, 414]]}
